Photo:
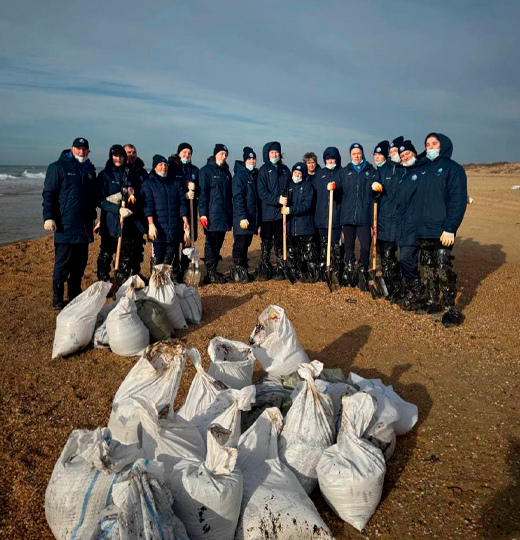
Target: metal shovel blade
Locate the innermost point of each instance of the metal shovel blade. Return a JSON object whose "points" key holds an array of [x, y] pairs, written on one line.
{"points": [[192, 276], [381, 286], [289, 274], [372, 284], [332, 280]]}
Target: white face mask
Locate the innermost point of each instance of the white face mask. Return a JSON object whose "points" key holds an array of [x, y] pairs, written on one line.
{"points": [[357, 163], [410, 162], [81, 159], [395, 158], [184, 161], [330, 166], [250, 167], [297, 179], [162, 175], [381, 163], [274, 160], [219, 163], [433, 154]]}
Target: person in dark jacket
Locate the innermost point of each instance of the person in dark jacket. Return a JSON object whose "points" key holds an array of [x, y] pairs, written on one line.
{"points": [[326, 180], [385, 189], [116, 184], [69, 211], [356, 215], [439, 210], [165, 209], [245, 213], [216, 209], [302, 256], [181, 167], [394, 149], [311, 162], [273, 183]]}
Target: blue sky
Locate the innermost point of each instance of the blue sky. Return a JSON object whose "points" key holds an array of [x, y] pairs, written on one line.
{"points": [[307, 73]]}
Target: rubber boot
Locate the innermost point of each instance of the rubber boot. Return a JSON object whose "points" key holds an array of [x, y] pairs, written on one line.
{"points": [[392, 275], [264, 271], [294, 261], [448, 287], [57, 296], [310, 259], [211, 273], [104, 266], [245, 264], [238, 273], [350, 275], [337, 259], [413, 297], [363, 277], [323, 257], [279, 272], [427, 260], [73, 288]]}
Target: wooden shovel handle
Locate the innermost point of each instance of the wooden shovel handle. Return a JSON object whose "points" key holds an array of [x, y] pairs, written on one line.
{"points": [[120, 239], [284, 220], [192, 234], [329, 231], [374, 239]]}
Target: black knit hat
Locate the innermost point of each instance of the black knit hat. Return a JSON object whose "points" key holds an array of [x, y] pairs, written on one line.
{"points": [[407, 145], [356, 145], [183, 146], [248, 153], [219, 148], [117, 150], [300, 166], [80, 142], [397, 142], [276, 146], [158, 159], [382, 148]]}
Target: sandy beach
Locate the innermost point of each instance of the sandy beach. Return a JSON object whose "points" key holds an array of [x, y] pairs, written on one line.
{"points": [[456, 475]]}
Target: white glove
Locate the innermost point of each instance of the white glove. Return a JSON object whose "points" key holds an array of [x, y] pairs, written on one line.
{"points": [[191, 186], [447, 239], [190, 195], [282, 200], [376, 186], [244, 224], [286, 210], [50, 225], [125, 212], [152, 231]]}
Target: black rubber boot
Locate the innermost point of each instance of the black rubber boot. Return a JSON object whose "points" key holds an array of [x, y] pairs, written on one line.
{"points": [[211, 273], [433, 302], [350, 275], [104, 266], [337, 259], [73, 288], [57, 296], [413, 294], [279, 272], [391, 274], [323, 257], [448, 287], [310, 260], [264, 271], [294, 261], [238, 273], [363, 277], [245, 264]]}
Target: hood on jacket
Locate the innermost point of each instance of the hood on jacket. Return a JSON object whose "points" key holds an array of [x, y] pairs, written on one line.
{"points": [[267, 147], [446, 144], [138, 163], [333, 152], [116, 149], [212, 161]]}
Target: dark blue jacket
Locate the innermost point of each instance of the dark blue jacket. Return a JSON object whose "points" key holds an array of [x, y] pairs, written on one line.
{"points": [[69, 198], [216, 196], [164, 200], [389, 175], [245, 199], [301, 202], [442, 196], [186, 173], [356, 194], [273, 181], [138, 168], [321, 179]]}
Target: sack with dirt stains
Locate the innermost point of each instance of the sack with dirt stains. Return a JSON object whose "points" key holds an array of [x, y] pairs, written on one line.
{"points": [[275, 344], [232, 362], [82, 482], [76, 321], [207, 493], [157, 376], [308, 429], [142, 508], [154, 318], [351, 473], [127, 335], [100, 338], [191, 304], [274, 504], [134, 287], [162, 289]]}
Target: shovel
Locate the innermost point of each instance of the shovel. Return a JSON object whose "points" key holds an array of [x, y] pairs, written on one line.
{"points": [[376, 282], [330, 277], [120, 239], [192, 275], [287, 271]]}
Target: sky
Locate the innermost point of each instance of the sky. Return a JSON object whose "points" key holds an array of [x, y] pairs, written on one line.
{"points": [[307, 73]]}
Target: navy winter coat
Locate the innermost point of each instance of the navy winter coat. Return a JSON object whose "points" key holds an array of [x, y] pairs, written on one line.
{"points": [[442, 196], [216, 196], [245, 199], [273, 181], [300, 221], [69, 198], [186, 173], [321, 180], [165, 201], [389, 175], [356, 194], [138, 168]]}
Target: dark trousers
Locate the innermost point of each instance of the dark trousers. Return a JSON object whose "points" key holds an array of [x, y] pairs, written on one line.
{"points": [[294, 241], [385, 247], [336, 234], [241, 243], [213, 245], [363, 234], [409, 260], [70, 261], [272, 229], [166, 252]]}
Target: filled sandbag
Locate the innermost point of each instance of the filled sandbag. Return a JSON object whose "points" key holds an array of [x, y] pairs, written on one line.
{"points": [[134, 287], [154, 317], [308, 428], [76, 321], [142, 508], [232, 362], [127, 335], [157, 375], [207, 494], [351, 473], [275, 344], [191, 303], [162, 289], [83, 479], [274, 504]]}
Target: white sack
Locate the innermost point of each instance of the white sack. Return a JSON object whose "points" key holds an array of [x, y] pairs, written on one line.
{"points": [[127, 334], [82, 481], [274, 504], [190, 301], [275, 344], [232, 362], [157, 376], [76, 321], [351, 473], [134, 287], [207, 494], [162, 289]]}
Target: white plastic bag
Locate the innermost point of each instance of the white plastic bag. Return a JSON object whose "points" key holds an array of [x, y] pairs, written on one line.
{"points": [[274, 504], [308, 429], [203, 390], [191, 304], [232, 362], [207, 494], [127, 335], [142, 508], [351, 473], [157, 375], [162, 289], [275, 344], [76, 322], [82, 481], [134, 287]]}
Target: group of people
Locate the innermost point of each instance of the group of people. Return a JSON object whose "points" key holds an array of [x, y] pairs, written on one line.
{"points": [[420, 198]]}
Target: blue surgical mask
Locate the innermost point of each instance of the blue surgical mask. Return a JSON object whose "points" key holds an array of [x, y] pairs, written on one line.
{"points": [[184, 161], [274, 161], [297, 179], [250, 167], [381, 164], [433, 153], [357, 164], [330, 166]]}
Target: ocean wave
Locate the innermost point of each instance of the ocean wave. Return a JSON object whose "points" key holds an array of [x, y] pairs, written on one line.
{"points": [[7, 176], [27, 174]]}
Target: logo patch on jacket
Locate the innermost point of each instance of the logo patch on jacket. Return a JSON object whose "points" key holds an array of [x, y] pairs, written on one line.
{"points": [[367, 174], [440, 170], [414, 178]]}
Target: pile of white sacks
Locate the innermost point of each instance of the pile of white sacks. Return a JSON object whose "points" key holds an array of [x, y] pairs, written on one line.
{"points": [[237, 460], [138, 316]]}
